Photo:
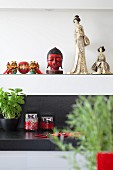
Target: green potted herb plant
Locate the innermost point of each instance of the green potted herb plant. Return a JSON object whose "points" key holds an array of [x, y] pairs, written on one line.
{"points": [[11, 102], [92, 116]]}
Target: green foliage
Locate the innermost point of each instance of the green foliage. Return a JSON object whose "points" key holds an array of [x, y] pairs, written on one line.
{"points": [[10, 103], [92, 116]]}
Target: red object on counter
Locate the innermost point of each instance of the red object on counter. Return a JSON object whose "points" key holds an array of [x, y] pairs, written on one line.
{"points": [[105, 161], [47, 123], [67, 134], [38, 135], [31, 122], [44, 136], [41, 136], [31, 126]]}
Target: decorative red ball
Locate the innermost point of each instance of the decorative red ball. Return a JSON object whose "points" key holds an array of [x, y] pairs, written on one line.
{"points": [[23, 67]]}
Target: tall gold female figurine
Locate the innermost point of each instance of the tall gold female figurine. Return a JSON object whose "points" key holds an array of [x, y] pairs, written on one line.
{"points": [[81, 41], [101, 66]]}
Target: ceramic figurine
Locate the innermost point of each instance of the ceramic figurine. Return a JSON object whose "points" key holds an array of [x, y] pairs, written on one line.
{"points": [[23, 67], [11, 68], [81, 41], [101, 66], [54, 60], [8, 71], [14, 67], [34, 68]]}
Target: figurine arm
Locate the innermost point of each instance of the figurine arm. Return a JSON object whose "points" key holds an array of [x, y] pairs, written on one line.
{"points": [[38, 71], [94, 66], [6, 72], [98, 64]]}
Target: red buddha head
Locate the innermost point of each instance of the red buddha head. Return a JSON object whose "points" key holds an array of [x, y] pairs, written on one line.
{"points": [[23, 67], [54, 59]]}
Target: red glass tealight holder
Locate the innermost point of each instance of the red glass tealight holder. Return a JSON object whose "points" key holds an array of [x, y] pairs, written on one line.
{"points": [[31, 122], [47, 123]]}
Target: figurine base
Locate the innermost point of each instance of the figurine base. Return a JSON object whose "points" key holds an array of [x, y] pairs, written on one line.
{"points": [[99, 73], [54, 72], [78, 73]]}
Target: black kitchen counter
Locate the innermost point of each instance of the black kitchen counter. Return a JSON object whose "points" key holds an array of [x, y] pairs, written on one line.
{"points": [[22, 141], [58, 105], [26, 141]]}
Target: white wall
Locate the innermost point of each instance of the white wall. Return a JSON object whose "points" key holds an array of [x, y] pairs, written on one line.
{"points": [[30, 34]]}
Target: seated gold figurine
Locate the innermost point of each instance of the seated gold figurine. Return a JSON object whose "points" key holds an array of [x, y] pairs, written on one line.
{"points": [[101, 66], [34, 68], [11, 68]]}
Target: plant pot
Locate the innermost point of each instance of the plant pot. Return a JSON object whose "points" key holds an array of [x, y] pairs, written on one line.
{"points": [[9, 124], [105, 161]]}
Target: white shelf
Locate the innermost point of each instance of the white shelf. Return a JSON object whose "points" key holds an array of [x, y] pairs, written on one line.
{"points": [[60, 84], [56, 4]]}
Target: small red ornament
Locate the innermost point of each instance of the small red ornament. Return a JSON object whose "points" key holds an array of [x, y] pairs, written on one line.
{"points": [[23, 67], [11, 68], [34, 68]]}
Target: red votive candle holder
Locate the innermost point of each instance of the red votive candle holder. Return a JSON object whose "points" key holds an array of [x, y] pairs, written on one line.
{"points": [[31, 122], [47, 123], [105, 161]]}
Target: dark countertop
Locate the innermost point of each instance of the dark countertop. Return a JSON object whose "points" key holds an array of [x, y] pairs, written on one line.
{"points": [[26, 141], [21, 140], [57, 105]]}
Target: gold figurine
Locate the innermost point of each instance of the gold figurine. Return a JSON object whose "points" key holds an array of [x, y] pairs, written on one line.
{"points": [[101, 66], [81, 41], [11, 68]]}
